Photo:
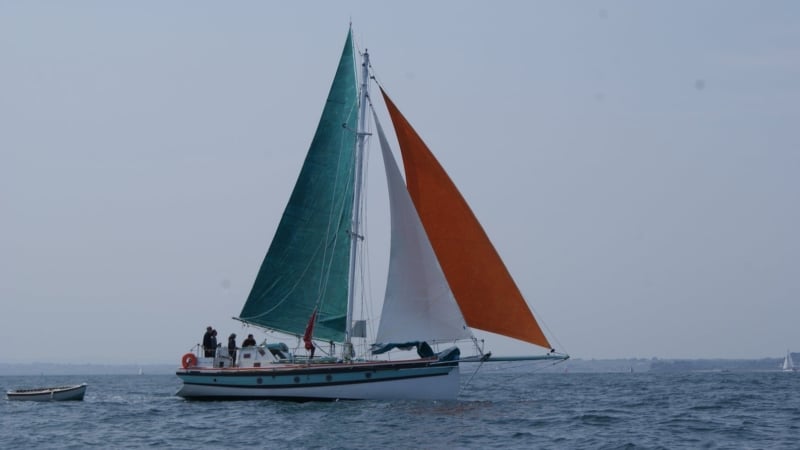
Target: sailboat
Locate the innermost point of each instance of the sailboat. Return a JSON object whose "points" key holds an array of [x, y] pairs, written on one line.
{"points": [[445, 277], [788, 364]]}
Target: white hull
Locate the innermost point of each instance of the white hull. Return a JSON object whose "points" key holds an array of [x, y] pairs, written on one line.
{"points": [[358, 382], [49, 394]]}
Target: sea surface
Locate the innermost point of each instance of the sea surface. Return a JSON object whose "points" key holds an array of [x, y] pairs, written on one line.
{"points": [[497, 409]]}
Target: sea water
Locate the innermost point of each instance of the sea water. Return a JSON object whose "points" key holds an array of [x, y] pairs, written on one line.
{"points": [[497, 409]]}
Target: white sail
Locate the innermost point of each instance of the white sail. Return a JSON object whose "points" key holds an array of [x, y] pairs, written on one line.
{"points": [[418, 305], [788, 364]]}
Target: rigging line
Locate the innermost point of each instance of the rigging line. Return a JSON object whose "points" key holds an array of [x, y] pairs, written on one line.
{"points": [[360, 207], [355, 42], [336, 207], [365, 160], [364, 266], [483, 360], [286, 296], [366, 306], [361, 255], [541, 321], [327, 264], [334, 211], [374, 75], [369, 65], [538, 367], [364, 263], [332, 236]]}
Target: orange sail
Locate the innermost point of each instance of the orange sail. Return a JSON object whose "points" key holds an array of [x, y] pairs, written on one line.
{"points": [[481, 284]]}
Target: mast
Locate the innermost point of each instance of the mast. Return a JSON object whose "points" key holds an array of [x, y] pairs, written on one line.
{"points": [[356, 224]]}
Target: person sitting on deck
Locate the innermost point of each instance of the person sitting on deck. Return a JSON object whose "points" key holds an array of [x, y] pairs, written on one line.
{"points": [[249, 342]]}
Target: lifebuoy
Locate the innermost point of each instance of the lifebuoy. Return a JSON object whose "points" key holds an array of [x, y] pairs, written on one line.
{"points": [[188, 360]]}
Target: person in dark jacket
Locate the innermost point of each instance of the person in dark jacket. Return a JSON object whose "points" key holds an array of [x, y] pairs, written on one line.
{"points": [[232, 347], [214, 344], [249, 342], [208, 348]]}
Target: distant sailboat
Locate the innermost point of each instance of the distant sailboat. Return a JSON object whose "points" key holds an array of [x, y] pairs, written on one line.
{"points": [[788, 364], [445, 276]]}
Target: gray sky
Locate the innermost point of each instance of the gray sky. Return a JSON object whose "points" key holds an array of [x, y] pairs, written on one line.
{"points": [[635, 163]]}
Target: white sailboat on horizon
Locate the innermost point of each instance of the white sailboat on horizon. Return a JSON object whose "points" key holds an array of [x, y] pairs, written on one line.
{"points": [[788, 363]]}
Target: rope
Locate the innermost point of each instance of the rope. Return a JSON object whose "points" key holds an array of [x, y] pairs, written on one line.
{"points": [[473, 374]]}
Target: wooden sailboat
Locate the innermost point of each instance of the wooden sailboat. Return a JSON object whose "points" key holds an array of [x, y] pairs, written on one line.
{"points": [[445, 277]]}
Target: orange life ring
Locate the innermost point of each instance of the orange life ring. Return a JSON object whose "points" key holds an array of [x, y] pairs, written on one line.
{"points": [[188, 360]]}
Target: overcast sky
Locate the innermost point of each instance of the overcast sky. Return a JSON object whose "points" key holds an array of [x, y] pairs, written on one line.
{"points": [[637, 164]]}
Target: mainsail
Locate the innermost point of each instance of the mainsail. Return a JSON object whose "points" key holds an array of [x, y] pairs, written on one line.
{"points": [[306, 267], [486, 294]]}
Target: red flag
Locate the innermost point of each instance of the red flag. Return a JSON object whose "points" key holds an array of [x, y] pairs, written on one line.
{"points": [[309, 330]]}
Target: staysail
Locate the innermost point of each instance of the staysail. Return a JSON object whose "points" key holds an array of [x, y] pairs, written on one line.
{"points": [[418, 305], [486, 294], [306, 266]]}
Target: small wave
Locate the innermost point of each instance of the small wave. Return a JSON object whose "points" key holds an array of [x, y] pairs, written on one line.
{"points": [[597, 419]]}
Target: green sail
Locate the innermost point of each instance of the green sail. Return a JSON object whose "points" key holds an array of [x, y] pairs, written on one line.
{"points": [[307, 264]]}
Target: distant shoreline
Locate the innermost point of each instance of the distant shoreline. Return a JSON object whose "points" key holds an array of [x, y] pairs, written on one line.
{"points": [[572, 365], [21, 369]]}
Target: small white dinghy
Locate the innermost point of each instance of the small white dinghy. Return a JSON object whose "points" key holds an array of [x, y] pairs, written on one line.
{"points": [[45, 394]]}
